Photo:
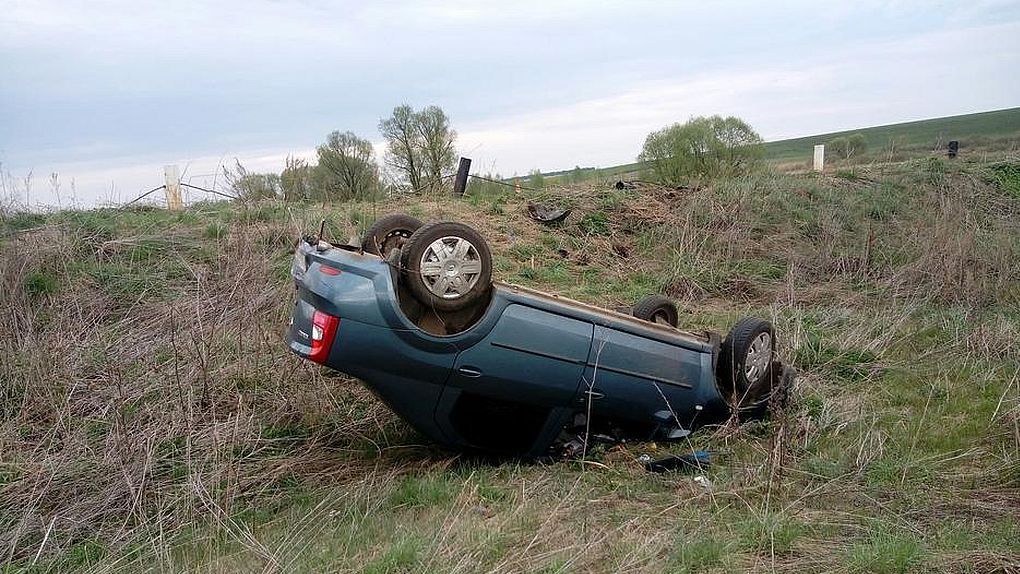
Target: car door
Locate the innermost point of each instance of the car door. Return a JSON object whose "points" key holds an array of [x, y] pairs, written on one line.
{"points": [[512, 386], [630, 378]]}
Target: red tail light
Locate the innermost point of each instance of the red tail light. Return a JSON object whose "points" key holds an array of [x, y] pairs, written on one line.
{"points": [[323, 331]]}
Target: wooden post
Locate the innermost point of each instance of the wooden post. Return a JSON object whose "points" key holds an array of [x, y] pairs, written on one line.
{"points": [[173, 188], [460, 184], [819, 157]]}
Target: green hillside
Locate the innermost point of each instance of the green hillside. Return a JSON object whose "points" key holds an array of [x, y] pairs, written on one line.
{"points": [[985, 131], [974, 131]]}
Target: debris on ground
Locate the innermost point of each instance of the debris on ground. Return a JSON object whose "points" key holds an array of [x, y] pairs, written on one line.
{"points": [[546, 214], [697, 460], [624, 185], [704, 482]]}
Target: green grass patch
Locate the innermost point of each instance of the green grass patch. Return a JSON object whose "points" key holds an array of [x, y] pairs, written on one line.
{"points": [[216, 230], [699, 552], [21, 221], [886, 551], [595, 223], [847, 364], [423, 491], [41, 283], [400, 556], [771, 534], [1007, 177]]}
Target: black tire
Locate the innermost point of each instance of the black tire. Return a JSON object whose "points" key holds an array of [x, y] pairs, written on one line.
{"points": [[420, 245], [389, 231], [657, 309], [733, 365], [771, 398]]}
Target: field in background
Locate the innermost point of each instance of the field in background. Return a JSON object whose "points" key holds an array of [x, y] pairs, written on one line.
{"points": [[986, 131], [981, 133], [153, 419]]}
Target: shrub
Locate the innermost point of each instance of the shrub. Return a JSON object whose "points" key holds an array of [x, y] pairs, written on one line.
{"points": [[296, 179], [249, 186], [847, 147], [346, 169], [702, 147]]}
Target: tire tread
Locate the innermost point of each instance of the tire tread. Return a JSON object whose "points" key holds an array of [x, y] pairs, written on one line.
{"points": [[386, 225], [645, 308]]}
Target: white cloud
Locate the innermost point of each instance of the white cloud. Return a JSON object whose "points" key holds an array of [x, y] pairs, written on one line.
{"points": [[875, 84], [586, 81]]}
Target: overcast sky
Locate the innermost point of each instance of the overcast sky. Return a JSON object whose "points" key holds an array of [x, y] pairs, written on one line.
{"points": [[105, 93]]}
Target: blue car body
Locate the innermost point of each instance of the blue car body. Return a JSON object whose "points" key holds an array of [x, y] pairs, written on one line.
{"points": [[522, 374]]}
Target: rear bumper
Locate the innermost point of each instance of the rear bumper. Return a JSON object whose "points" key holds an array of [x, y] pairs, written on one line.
{"points": [[299, 333]]}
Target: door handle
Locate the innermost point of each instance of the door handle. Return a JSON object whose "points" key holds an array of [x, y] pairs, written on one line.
{"points": [[471, 372]]}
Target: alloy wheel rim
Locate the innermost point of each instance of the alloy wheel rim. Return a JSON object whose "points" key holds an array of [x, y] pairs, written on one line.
{"points": [[450, 267], [759, 354]]}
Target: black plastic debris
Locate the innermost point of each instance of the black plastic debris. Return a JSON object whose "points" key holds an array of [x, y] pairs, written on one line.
{"points": [[954, 148], [546, 214], [697, 460]]}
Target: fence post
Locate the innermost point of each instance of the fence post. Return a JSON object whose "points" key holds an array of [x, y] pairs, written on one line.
{"points": [[460, 184], [173, 188], [819, 157]]}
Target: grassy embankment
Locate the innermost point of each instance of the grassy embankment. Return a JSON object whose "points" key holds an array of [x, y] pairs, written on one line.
{"points": [[153, 420], [982, 136]]}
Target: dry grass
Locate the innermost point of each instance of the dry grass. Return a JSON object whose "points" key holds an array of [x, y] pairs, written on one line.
{"points": [[153, 419]]}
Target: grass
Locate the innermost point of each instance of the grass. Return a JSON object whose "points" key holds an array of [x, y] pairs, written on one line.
{"points": [[886, 552], [154, 421], [1007, 176]]}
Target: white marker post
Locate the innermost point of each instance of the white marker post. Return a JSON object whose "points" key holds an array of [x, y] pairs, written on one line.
{"points": [[819, 157], [173, 188]]}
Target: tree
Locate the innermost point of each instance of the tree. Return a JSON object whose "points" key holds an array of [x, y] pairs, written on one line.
{"points": [[249, 186], [702, 147], [419, 145], [740, 147], [403, 150], [438, 154], [296, 179], [347, 168], [846, 147]]}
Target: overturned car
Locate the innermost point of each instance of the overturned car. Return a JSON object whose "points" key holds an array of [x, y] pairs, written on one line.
{"points": [[484, 366]]}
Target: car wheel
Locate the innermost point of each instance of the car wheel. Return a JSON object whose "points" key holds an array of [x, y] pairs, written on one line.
{"points": [[745, 360], [388, 232], [447, 266], [657, 309]]}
